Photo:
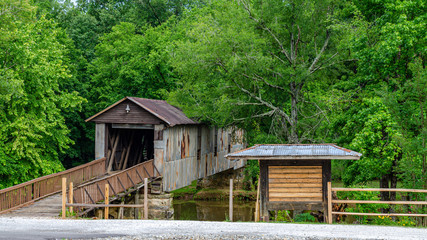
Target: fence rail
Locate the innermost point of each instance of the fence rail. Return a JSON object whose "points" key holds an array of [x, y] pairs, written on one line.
{"points": [[25, 193], [331, 201], [118, 182]]}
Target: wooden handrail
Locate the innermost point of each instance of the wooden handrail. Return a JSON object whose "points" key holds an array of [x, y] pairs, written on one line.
{"points": [[52, 175], [379, 190], [330, 201], [25, 193], [381, 202], [118, 182]]}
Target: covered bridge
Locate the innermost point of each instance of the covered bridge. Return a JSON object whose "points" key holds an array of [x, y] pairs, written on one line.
{"points": [[294, 177], [134, 130]]}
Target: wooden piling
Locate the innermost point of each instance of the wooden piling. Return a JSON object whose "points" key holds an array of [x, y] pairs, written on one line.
{"points": [[145, 198], [257, 203], [329, 203], [231, 201], [136, 210], [107, 200], [64, 197], [121, 210], [71, 195]]}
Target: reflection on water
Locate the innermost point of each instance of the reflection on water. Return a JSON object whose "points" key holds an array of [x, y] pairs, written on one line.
{"points": [[213, 210]]}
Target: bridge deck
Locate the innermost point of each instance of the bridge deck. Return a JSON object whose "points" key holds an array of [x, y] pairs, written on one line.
{"points": [[90, 191]]}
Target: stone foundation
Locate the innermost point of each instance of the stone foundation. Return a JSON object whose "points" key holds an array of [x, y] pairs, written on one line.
{"points": [[221, 180]]}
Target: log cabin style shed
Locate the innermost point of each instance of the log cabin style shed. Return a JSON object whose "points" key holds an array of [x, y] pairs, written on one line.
{"points": [[134, 130], [294, 177]]}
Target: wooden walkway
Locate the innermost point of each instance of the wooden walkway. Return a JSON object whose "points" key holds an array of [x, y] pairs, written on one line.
{"points": [[90, 191], [49, 207]]}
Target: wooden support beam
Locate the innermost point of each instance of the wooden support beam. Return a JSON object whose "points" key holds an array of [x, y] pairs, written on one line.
{"points": [[329, 218], [121, 210], [145, 198], [71, 195], [90, 198], [231, 201], [136, 170], [118, 179], [113, 153], [257, 204], [111, 186], [105, 205], [136, 210], [64, 197], [107, 200], [122, 159], [100, 191], [156, 170], [146, 171], [127, 174], [123, 167]]}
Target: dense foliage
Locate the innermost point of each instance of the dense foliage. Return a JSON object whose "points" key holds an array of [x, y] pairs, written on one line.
{"points": [[298, 71]]}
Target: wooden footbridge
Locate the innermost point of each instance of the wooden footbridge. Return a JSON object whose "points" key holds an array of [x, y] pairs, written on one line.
{"points": [[135, 138], [89, 181]]}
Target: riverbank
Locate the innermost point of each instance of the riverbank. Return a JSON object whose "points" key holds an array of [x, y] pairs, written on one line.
{"points": [[193, 192]]}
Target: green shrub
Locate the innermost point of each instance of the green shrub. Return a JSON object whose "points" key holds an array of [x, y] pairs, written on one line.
{"points": [[304, 217]]}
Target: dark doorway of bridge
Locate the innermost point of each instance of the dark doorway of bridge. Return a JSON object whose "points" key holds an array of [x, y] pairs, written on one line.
{"points": [[129, 145]]}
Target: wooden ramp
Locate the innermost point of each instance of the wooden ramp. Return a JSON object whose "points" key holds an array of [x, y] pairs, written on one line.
{"points": [[49, 207], [42, 197]]}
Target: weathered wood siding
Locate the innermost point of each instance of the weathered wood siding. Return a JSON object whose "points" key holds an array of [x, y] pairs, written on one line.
{"points": [[182, 159], [295, 183], [137, 115]]}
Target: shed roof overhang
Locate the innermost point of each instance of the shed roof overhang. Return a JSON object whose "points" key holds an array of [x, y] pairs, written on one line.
{"points": [[295, 152]]}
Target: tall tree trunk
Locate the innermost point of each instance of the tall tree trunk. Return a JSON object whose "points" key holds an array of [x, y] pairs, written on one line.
{"points": [[385, 196]]}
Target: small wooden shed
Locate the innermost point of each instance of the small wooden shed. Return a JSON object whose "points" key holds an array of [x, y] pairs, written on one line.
{"points": [[294, 177], [134, 130]]}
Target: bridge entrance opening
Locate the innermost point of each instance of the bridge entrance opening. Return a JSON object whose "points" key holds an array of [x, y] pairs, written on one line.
{"points": [[129, 145]]}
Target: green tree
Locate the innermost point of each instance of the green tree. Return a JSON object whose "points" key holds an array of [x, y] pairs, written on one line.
{"points": [[269, 61], [131, 64], [32, 130]]}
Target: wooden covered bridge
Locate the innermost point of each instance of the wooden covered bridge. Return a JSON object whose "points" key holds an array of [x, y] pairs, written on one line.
{"points": [[136, 138]]}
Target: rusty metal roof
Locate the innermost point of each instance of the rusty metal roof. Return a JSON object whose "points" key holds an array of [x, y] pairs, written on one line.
{"points": [[159, 108], [295, 151], [163, 110]]}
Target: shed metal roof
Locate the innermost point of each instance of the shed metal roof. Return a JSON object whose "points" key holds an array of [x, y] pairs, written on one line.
{"points": [[295, 151], [159, 108]]}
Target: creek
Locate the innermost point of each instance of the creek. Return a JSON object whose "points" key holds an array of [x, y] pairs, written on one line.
{"points": [[213, 210]]}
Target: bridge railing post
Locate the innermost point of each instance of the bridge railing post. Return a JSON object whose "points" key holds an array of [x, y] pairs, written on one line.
{"points": [[64, 197], [107, 200], [145, 198]]}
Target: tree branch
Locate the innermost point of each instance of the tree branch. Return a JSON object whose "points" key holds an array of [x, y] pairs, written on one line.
{"points": [[325, 44]]}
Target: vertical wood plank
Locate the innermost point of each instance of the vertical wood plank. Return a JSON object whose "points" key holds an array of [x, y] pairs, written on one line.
{"points": [[107, 200], [264, 190], [146, 198], [71, 195], [329, 203], [136, 210], [257, 202], [64, 196], [231, 201]]}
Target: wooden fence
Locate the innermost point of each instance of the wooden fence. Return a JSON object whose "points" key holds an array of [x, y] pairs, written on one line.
{"points": [[331, 201], [93, 192], [25, 193], [106, 204]]}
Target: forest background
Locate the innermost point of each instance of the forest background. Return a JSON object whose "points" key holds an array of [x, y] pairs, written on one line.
{"points": [[298, 71]]}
